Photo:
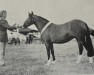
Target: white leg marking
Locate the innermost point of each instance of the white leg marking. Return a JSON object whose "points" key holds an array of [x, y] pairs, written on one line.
{"points": [[53, 62], [79, 59], [90, 60], [49, 62]]}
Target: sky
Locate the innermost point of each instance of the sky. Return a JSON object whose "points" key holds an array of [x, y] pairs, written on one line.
{"points": [[56, 11]]}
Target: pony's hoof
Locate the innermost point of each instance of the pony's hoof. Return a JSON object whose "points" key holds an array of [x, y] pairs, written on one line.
{"points": [[90, 60], [2, 64], [48, 63], [53, 62], [77, 62]]}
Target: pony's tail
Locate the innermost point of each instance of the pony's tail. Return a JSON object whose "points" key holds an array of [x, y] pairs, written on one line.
{"points": [[91, 31], [89, 42], [90, 50]]}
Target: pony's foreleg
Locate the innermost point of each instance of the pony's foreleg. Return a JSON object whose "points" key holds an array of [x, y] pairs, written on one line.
{"points": [[80, 51], [52, 52], [48, 54]]}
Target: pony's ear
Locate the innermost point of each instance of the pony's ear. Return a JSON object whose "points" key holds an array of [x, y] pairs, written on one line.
{"points": [[29, 14]]}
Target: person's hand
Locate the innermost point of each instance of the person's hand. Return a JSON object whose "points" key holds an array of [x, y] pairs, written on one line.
{"points": [[14, 27], [14, 24]]}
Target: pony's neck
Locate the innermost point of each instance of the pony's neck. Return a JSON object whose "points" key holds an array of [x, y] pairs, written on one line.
{"points": [[40, 22]]}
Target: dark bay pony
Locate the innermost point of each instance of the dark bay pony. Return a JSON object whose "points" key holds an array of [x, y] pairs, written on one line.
{"points": [[53, 33]]}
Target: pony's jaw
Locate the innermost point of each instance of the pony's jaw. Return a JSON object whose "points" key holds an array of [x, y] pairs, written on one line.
{"points": [[25, 26]]}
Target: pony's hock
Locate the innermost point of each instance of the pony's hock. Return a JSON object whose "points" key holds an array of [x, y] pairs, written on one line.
{"points": [[63, 33]]}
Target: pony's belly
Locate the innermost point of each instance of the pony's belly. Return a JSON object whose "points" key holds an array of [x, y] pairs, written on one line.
{"points": [[62, 39]]}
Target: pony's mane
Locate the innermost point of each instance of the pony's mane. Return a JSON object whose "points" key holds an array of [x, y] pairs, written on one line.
{"points": [[41, 18]]}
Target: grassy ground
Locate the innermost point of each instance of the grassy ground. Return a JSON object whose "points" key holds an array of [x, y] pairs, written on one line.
{"points": [[31, 60]]}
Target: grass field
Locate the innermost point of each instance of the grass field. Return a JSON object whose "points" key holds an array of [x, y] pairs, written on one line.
{"points": [[31, 59]]}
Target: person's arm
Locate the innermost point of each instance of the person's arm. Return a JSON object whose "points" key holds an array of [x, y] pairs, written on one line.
{"points": [[5, 24]]}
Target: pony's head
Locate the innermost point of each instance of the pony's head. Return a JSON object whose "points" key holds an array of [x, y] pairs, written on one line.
{"points": [[29, 21]]}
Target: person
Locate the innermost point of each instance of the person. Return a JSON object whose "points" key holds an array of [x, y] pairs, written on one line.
{"points": [[3, 34], [18, 40], [30, 38]]}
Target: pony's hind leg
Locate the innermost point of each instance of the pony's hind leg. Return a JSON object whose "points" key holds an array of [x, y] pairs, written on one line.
{"points": [[80, 50]]}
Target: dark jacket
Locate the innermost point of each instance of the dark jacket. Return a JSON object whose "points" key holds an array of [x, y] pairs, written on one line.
{"points": [[3, 30]]}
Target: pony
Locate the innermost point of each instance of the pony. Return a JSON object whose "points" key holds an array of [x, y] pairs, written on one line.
{"points": [[62, 33]]}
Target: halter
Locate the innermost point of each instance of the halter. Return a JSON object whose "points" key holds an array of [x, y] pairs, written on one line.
{"points": [[45, 27]]}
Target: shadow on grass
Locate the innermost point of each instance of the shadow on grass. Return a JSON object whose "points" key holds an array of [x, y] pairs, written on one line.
{"points": [[24, 66]]}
